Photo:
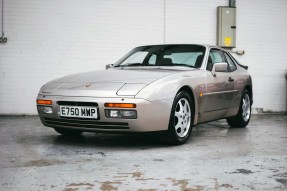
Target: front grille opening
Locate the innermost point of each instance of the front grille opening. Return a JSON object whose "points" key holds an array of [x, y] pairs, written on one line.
{"points": [[80, 119], [85, 124], [72, 103]]}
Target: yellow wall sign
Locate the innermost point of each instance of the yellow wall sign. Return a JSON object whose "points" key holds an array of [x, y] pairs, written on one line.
{"points": [[227, 41]]}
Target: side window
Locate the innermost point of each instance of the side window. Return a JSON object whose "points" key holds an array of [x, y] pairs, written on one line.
{"points": [[231, 64], [215, 56]]}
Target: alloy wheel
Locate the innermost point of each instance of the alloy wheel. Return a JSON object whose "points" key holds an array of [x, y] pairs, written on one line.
{"points": [[246, 107], [182, 117]]}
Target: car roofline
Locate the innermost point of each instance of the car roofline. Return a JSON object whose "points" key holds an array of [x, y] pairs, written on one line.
{"points": [[204, 45]]}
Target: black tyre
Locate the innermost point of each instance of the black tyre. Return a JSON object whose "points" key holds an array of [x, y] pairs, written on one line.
{"points": [[243, 116], [181, 119], [68, 132]]}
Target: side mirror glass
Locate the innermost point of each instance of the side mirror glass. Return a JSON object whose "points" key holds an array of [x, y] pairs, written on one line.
{"points": [[219, 67], [109, 66]]}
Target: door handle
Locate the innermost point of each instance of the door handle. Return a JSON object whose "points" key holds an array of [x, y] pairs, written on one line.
{"points": [[230, 79]]}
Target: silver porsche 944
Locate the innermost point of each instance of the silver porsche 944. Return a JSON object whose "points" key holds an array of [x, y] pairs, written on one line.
{"points": [[167, 88]]}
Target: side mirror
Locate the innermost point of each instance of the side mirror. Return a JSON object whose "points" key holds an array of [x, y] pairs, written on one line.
{"points": [[219, 67], [109, 66]]}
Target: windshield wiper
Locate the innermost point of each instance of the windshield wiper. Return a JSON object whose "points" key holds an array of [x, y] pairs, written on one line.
{"points": [[130, 64], [179, 65]]}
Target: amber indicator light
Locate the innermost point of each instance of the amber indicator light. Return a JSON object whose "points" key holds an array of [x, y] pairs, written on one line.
{"points": [[44, 102], [121, 105]]}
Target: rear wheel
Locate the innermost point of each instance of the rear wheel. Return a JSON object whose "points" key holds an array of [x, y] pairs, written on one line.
{"points": [[181, 119], [243, 116], [68, 132]]}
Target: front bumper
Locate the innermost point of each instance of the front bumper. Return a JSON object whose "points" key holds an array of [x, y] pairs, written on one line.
{"points": [[151, 116]]}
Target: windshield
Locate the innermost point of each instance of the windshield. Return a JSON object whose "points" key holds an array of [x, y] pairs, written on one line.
{"points": [[164, 55]]}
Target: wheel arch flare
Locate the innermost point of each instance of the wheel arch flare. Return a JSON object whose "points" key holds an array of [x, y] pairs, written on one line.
{"points": [[190, 91]]}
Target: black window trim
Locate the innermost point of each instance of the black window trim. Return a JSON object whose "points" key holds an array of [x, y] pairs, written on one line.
{"points": [[235, 61], [229, 69]]}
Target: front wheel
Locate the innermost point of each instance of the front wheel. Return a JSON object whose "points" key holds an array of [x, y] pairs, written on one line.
{"points": [[181, 119], [68, 132], [244, 113]]}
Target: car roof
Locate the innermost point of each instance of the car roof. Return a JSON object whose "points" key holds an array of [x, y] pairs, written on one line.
{"points": [[205, 45]]}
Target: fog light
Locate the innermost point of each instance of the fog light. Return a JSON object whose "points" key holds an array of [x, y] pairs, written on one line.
{"points": [[45, 109], [118, 113]]}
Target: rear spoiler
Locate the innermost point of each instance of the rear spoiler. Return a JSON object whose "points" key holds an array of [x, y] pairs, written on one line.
{"points": [[242, 66], [245, 67]]}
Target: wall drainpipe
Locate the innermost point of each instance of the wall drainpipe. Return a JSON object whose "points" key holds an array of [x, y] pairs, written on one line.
{"points": [[232, 3], [2, 38]]}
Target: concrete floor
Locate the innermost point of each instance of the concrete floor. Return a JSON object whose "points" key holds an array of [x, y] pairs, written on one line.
{"points": [[34, 157]]}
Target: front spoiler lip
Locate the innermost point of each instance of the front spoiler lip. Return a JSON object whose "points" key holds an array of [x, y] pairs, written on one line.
{"points": [[83, 124], [89, 129]]}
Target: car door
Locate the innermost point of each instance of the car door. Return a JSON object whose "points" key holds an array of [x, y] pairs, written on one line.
{"points": [[219, 87]]}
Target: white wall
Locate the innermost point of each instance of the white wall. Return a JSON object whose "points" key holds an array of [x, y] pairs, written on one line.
{"points": [[50, 39], [262, 32]]}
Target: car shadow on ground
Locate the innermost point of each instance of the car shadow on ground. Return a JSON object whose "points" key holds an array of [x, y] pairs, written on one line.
{"points": [[148, 140], [144, 140]]}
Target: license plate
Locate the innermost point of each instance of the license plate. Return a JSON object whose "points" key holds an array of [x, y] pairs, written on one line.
{"points": [[78, 111]]}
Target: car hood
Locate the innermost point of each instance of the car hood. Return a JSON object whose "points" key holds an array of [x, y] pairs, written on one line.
{"points": [[107, 83], [116, 76]]}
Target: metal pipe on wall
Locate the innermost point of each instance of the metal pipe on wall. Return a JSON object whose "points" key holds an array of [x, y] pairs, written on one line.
{"points": [[164, 9], [232, 3], [2, 18], [2, 38]]}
